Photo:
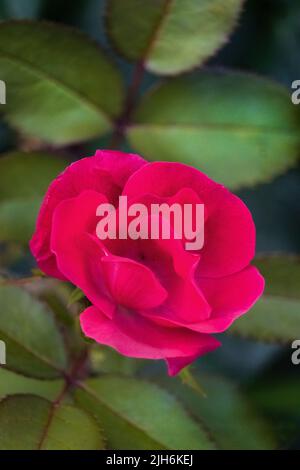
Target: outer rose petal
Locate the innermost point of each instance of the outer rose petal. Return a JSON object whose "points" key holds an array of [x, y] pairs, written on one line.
{"points": [[119, 165], [165, 179], [177, 363], [106, 173], [78, 253], [229, 232], [230, 297], [134, 336]]}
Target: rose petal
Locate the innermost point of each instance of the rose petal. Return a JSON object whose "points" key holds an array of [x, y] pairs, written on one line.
{"points": [[132, 284], [165, 179], [78, 252], [106, 173], [176, 364], [229, 244], [230, 297], [119, 165], [229, 232], [134, 336], [161, 256]]}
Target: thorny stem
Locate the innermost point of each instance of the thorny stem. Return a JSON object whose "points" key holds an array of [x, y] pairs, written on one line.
{"points": [[137, 78], [130, 101], [77, 372]]}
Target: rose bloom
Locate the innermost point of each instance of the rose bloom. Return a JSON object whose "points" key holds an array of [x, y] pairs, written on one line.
{"points": [[149, 298]]}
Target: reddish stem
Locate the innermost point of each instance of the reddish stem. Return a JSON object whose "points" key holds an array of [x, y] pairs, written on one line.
{"points": [[130, 101], [77, 372]]}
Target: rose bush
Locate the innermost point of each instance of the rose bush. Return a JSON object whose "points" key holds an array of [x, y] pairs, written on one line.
{"points": [[150, 298]]}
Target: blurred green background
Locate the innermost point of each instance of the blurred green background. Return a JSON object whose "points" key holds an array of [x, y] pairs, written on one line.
{"points": [[252, 387]]}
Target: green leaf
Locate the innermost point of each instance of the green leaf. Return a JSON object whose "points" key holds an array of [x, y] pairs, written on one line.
{"points": [[24, 179], [75, 296], [60, 86], [276, 316], [232, 423], [276, 395], [138, 415], [15, 384], [171, 36], [273, 320], [239, 129], [17, 218], [56, 295], [106, 360], [34, 345], [33, 423], [282, 273]]}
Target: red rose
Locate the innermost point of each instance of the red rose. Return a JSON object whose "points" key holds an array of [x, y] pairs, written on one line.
{"points": [[150, 298]]}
